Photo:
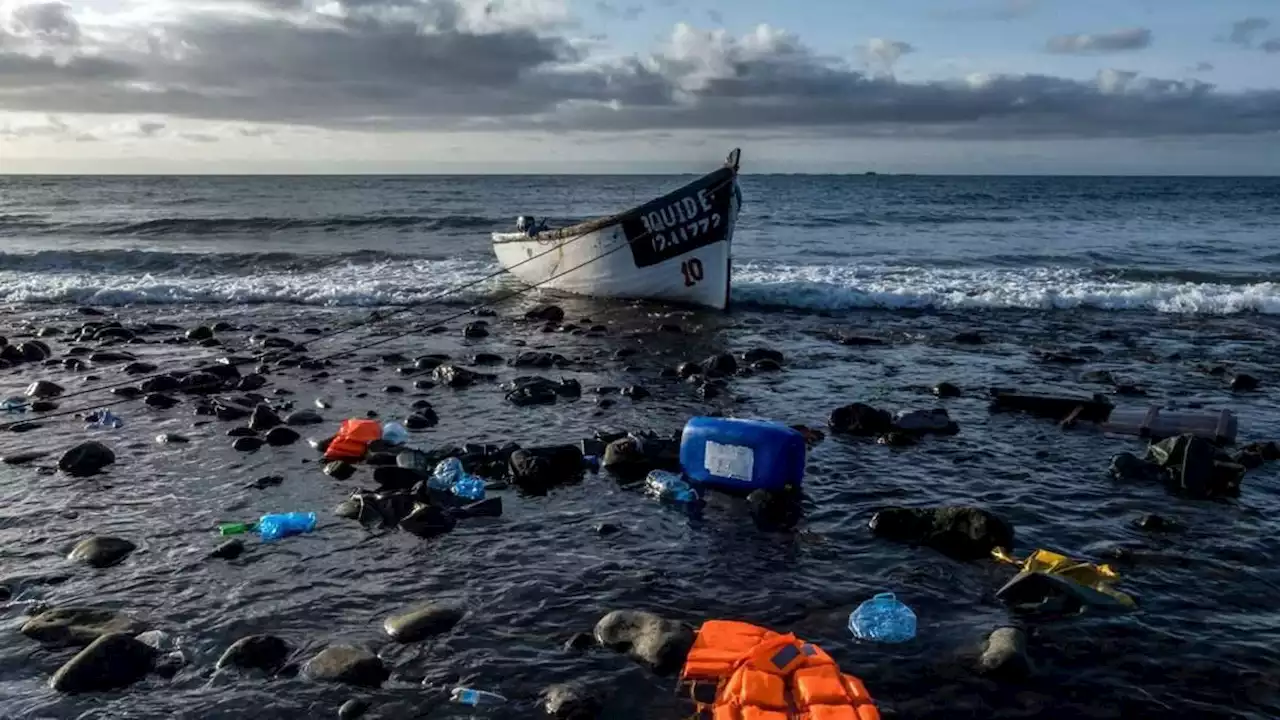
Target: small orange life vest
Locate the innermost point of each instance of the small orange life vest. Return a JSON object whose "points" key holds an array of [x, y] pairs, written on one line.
{"points": [[762, 675], [352, 441]]}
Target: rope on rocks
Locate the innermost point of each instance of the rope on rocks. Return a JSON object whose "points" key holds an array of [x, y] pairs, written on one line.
{"points": [[371, 321]]}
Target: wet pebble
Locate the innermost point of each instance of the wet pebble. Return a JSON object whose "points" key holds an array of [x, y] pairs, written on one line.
{"points": [[101, 552], [78, 626], [423, 621], [267, 653], [111, 662], [346, 664], [282, 436], [339, 470], [352, 709], [86, 459], [229, 550], [247, 444]]}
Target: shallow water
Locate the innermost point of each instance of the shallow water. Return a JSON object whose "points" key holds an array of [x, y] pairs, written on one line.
{"points": [[1203, 641]]}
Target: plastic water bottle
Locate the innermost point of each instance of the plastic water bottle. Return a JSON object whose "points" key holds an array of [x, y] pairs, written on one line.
{"points": [[468, 696], [105, 419], [446, 475], [13, 404], [393, 433], [883, 618], [236, 528], [670, 486], [274, 526], [469, 487]]}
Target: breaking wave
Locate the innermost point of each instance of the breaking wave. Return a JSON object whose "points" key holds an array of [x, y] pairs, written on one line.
{"points": [[31, 223]]}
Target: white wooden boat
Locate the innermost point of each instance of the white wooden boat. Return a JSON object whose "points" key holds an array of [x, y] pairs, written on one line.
{"points": [[675, 248]]}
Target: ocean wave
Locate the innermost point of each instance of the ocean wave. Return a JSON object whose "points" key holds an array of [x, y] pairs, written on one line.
{"points": [[41, 224], [191, 264], [827, 288], [371, 278]]}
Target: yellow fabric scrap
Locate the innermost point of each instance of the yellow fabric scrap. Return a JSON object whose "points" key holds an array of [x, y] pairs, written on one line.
{"points": [[1097, 577]]}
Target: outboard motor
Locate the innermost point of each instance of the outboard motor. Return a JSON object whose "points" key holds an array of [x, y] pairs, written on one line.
{"points": [[522, 224]]}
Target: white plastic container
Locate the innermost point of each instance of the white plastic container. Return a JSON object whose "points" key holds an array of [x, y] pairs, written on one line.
{"points": [[1158, 423]]}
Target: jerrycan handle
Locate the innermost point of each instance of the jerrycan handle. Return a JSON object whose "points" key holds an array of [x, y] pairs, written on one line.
{"points": [[885, 596]]}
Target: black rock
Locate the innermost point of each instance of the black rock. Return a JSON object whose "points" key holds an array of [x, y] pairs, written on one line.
{"points": [[71, 363], [546, 313], [454, 376], [78, 626], [101, 552], [86, 459], [421, 420], [247, 444], [671, 328], [111, 662], [282, 436], [1241, 382], [34, 351], [1156, 523], [44, 389], [127, 392], [263, 418], [347, 664], [475, 330], [968, 338], [391, 477], [605, 528], [199, 333], [22, 458], [858, 340], [649, 639], [393, 358], [538, 469], [427, 521], [251, 382], [229, 550], [860, 420], [488, 507], [722, 365], [110, 358], [962, 533], [423, 622], [339, 470], [1005, 655], [353, 709], [160, 383], [946, 390], [757, 354], [239, 432], [160, 401], [139, 368], [393, 390], [41, 406], [172, 439], [255, 652], [303, 417], [566, 701], [267, 481]]}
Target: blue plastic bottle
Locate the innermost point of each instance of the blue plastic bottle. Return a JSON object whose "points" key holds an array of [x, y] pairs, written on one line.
{"points": [[740, 456], [469, 487], [446, 474], [883, 618], [670, 486], [274, 526], [468, 696], [394, 434]]}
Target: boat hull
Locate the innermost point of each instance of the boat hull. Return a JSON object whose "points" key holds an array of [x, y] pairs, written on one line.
{"points": [[618, 260]]}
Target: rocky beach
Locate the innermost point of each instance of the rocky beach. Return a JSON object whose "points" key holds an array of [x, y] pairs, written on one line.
{"points": [[389, 617]]}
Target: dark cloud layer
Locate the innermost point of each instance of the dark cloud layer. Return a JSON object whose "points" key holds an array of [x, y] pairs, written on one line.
{"points": [[442, 64], [1113, 41]]}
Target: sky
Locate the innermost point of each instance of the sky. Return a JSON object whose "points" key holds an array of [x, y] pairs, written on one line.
{"points": [[442, 86]]}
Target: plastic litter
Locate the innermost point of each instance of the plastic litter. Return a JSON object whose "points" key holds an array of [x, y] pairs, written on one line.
{"points": [[1080, 572], [393, 433], [469, 487], [236, 528], [446, 474], [13, 405], [740, 456], [274, 526], [883, 618], [670, 486], [468, 696], [105, 419]]}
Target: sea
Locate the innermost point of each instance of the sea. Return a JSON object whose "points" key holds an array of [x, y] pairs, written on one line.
{"points": [[875, 289]]}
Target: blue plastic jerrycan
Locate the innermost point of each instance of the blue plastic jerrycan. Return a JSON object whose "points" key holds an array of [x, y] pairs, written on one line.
{"points": [[883, 618], [740, 456]]}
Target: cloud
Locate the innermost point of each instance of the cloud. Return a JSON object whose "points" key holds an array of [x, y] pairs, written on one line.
{"points": [[1243, 31], [1271, 46], [514, 66], [1113, 41], [1202, 67], [882, 55]]}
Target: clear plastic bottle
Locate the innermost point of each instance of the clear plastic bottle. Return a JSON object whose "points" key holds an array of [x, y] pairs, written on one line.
{"points": [[883, 618], [393, 433], [13, 404], [469, 487], [670, 486], [446, 474], [468, 696], [105, 419], [274, 526]]}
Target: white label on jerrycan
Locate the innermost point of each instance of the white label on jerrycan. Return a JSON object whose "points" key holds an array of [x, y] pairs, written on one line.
{"points": [[731, 461]]}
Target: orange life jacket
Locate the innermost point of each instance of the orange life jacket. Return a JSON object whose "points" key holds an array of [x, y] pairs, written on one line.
{"points": [[762, 675], [352, 441]]}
